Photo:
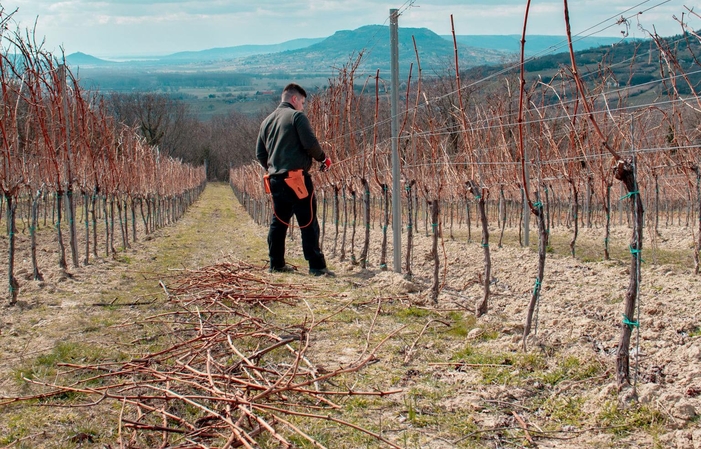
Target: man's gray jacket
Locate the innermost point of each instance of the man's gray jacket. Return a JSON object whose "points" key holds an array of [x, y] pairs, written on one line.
{"points": [[286, 141]]}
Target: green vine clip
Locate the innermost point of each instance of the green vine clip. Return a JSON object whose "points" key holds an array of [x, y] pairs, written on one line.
{"points": [[629, 195], [629, 323], [636, 252], [536, 287]]}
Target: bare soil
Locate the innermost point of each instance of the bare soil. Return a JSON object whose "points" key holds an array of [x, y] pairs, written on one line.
{"points": [[465, 382]]}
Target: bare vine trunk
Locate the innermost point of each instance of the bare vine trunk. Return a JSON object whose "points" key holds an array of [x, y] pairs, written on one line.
{"points": [[111, 226], [73, 234], [657, 204], [345, 226], [86, 222], [121, 223], [93, 213], [502, 213], [132, 207], [468, 218], [385, 224], [144, 217], [126, 220], [548, 216], [107, 226], [452, 210], [366, 207], [483, 305], [575, 214], [61, 248], [521, 218], [13, 285], [590, 197], [149, 214], [625, 173], [542, 247], [416, 211], [427, 203], [607, 231], [409, 226], [335, 218], [32, 232], [435, 212], [354, 196]]}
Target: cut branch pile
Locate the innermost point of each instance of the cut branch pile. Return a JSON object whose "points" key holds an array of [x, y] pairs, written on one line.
{"points": [[235, 284], [226, 378]]}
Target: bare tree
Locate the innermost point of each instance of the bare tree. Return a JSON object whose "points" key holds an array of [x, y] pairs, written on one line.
{"points": [[160, 119]]}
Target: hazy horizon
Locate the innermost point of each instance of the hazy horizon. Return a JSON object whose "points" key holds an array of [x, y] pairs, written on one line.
{"points": [[118, 29]]}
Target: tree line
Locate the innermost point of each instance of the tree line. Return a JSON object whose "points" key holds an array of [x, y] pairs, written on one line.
{"points": [[223, 142]]}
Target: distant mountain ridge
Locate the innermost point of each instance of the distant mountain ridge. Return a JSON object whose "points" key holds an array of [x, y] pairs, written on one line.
{"points": [[343, 47], [82, 59], [241, 51], [324, 55], [535, 44]]}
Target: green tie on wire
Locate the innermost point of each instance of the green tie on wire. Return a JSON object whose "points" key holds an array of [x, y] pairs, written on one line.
{"points": [[629, 195], [636, 252], [629, 323]]}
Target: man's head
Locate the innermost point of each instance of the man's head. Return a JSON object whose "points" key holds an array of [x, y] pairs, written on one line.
{"points": [[295, 95]]}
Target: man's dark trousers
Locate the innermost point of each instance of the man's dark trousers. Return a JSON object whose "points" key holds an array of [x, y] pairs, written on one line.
{"points": [[285, 204]]}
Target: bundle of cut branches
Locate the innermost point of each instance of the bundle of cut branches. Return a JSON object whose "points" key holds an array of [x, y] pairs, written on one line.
{"points": [[236, 284], [226, 379]]}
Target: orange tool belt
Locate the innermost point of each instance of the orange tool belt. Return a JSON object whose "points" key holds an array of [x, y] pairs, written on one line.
{"points": [[295, 180]]}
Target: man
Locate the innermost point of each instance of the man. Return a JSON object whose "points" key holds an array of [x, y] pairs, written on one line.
{"points": [[285, 148]]}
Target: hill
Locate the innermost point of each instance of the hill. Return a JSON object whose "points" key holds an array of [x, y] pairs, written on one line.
{"points": [[435, 52], [240, 51], [318, 55], [349, 42], [324, 55], [536, 44], [629, 63], [82, 59]]}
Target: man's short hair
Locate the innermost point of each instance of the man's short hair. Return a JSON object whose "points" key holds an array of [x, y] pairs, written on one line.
{"points": [[294, 89]]}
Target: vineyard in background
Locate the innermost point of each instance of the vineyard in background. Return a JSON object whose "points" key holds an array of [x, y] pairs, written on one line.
{"points": [[68, 167], [497, 150]]}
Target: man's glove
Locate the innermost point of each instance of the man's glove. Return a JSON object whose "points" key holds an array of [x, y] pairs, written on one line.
{"points": [[325, 165]]}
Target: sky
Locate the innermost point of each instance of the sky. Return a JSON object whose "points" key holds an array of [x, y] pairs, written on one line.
{"points": [[122, 28]]}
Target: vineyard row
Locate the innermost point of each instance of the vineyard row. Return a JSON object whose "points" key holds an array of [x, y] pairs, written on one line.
{"points": [[61, 149]]}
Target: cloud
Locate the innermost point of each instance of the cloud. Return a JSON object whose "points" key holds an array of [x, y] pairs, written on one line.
{"points": [[545, 17], [121, 27]]}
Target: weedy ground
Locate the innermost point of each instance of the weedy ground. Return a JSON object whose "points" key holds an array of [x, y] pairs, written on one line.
{"points": [[464, 382]]}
